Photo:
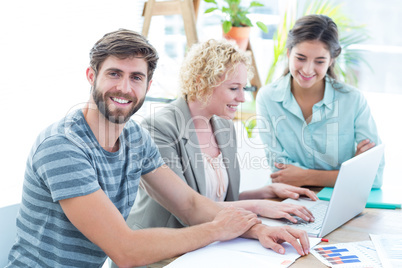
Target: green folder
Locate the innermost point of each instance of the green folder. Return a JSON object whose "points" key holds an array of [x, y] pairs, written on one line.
{"points": [[376, 199]]}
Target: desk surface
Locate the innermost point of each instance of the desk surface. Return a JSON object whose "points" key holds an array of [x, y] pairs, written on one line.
{"points": [[370, 221]]}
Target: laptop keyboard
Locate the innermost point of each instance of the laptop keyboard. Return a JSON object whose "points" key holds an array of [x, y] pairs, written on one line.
{"points": [[319, 209]]}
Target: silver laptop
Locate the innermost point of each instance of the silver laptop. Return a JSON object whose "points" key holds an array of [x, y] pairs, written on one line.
{"points": [[349, 197]]}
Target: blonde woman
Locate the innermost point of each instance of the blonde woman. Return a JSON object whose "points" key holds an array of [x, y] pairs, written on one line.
{"points": [[196, 138]]}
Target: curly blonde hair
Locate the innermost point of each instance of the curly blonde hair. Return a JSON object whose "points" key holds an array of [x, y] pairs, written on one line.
{"points": [[205, 65]]}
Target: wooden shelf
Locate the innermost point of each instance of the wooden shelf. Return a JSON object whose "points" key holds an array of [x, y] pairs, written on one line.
{"points": [[188, 9]]}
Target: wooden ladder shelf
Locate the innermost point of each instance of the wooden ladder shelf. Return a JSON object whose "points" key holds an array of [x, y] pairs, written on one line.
{"points": [[188, 9]]}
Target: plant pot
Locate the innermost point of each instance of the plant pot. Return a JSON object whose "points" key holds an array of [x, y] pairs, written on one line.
{"points": [[240, 35]]}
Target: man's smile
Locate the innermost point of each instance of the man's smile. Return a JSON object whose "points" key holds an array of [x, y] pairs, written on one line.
{"points": [[121, 101]]}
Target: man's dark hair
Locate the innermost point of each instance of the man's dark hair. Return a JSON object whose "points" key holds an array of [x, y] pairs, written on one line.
{"points": [[123, 44]]}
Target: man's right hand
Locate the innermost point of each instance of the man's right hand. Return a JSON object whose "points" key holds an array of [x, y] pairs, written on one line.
{"points": [[273, 236], [232, 222]]}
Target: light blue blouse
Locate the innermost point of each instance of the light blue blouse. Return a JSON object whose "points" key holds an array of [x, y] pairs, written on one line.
{"points": [[339, 122]]}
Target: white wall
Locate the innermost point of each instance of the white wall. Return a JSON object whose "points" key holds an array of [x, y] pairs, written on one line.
{"points": [[44, 48]]}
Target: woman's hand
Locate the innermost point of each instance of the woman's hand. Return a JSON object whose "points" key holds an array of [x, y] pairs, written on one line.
{"points": [[283, 191], [289, 174], [363, 146], [278, 210], [277, 190], [296, 176]]}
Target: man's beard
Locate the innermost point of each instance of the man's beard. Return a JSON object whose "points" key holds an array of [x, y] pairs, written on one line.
{"points": [[117, 116]]}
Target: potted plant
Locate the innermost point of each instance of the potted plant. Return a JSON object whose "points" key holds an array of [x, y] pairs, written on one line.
{"points": [[235, 24]]}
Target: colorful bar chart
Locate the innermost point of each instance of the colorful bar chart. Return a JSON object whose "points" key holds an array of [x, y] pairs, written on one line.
{"points": [[335, 255], [359, 254]]}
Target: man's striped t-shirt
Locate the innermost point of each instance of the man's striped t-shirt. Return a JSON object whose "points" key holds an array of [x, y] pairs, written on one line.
{"points": [[67, 161]]}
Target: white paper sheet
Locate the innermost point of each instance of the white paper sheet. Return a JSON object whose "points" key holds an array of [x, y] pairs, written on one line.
{"points": [[239, 252], [389, 249]]}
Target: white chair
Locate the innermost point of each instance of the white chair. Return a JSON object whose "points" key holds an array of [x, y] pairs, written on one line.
{"points": [[8, 230]]}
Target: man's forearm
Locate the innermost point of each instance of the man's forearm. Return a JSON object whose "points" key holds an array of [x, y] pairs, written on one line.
{"points": [[201, 210], [147, 246]]}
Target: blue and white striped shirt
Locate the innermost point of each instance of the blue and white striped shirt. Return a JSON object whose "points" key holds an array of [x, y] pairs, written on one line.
{"points": [[67, 161]]}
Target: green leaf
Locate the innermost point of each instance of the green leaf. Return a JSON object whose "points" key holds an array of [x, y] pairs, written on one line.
{"points": [[211, 1], [247, 22], [256, 4], [234, 2], [262, 26], [226, 10], [249, 125], [209, 10], [226, 26]]}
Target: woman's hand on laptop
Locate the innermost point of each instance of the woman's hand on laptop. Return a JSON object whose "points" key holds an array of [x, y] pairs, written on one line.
{"points": [[279, 210]]}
